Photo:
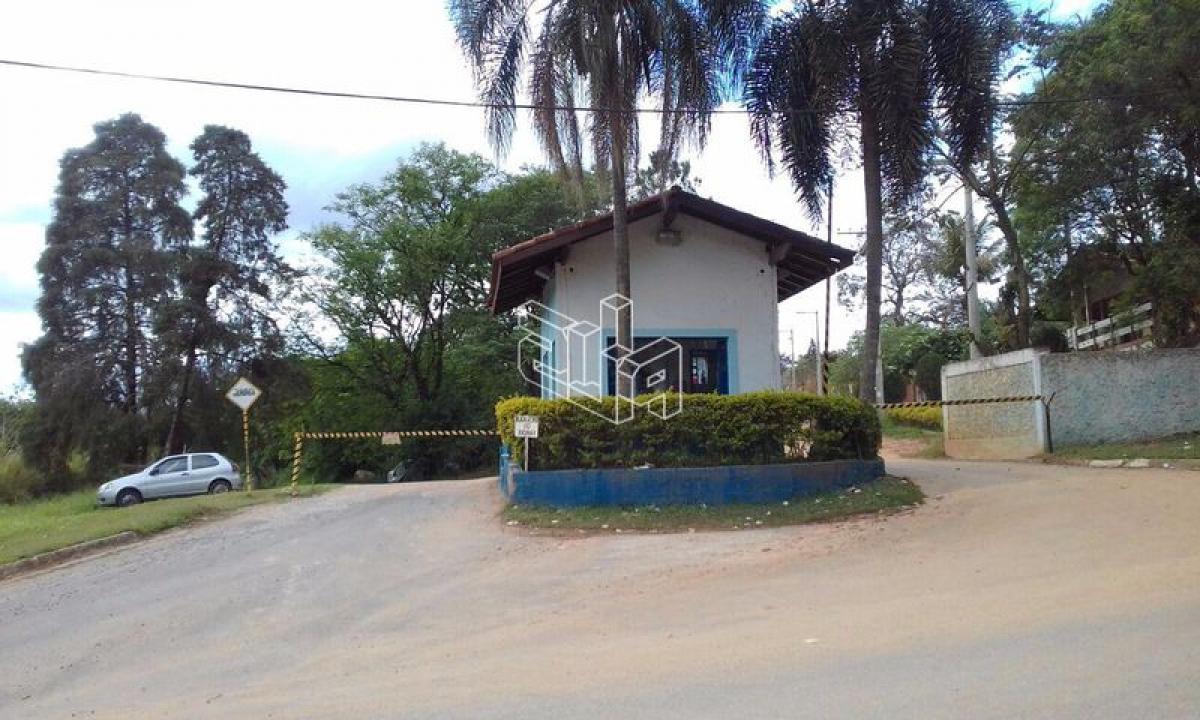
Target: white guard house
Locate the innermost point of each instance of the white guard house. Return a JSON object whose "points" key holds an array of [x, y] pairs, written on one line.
{"points": [[703, 275]]}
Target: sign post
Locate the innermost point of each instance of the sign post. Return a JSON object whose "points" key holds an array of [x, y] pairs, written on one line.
{"points": [[525, 426], [244, 394]]}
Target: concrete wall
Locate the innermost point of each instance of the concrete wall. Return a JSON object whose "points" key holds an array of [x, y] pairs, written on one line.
{"points": [[715, 283], [1095, 397], [993, 430], [683, 486], [1112, 396]]}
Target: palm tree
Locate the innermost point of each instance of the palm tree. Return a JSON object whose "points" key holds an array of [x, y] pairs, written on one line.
{"points": [[601, 55], [892, 70]]}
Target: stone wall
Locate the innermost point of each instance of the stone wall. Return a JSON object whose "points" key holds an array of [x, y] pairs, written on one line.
{"points": [[1112, 396], [1095, 397], [993, 430]]}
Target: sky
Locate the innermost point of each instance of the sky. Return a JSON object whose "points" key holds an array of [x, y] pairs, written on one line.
{"points": [[319, 145]]}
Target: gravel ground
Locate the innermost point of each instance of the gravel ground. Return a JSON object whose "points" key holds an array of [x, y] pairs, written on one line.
{"points": [[1019, 590]]}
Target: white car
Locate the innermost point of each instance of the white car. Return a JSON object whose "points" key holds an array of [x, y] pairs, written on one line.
{"points": [[174, 476]]}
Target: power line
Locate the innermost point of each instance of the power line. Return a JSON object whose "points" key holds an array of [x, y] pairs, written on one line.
{"points": [[1014, 102]]}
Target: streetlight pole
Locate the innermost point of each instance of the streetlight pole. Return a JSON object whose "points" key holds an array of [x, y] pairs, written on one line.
{"points": [[972, 269]]}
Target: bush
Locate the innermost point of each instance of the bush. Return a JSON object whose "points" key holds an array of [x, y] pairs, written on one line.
{"points": [[18, 481], [926, 417], [751, 429]]}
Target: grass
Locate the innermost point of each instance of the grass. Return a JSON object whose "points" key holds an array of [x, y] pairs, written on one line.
{"points": [[27, 529], [931, 442], [883, 495], [1178, 447]]}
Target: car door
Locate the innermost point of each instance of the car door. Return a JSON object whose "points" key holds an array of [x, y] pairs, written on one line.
{"points": [[205, 469], [166, 477]]}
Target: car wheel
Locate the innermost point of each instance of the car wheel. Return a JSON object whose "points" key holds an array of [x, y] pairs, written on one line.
{"points": [[219, 486], [128, 497]]}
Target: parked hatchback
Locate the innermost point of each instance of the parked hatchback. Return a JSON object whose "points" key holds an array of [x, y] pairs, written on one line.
{"points": [[174, 476]]}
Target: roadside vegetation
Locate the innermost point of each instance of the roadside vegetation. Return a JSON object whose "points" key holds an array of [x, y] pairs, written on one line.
{"points": [[911, 440], [40, 526], [888, 494], [1177, 447]]}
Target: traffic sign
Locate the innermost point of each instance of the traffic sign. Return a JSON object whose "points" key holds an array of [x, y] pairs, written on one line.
{"points": [[525, 426], [243, 394]]}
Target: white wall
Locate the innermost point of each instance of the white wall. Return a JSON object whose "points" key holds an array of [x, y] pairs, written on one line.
{"points": [[714, 282]]}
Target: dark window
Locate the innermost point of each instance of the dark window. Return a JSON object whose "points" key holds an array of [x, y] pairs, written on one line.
{"points": [[704, 366], [199, 462]]}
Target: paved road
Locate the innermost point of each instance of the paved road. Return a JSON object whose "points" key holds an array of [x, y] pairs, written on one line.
{"points": [[1019, 591]]}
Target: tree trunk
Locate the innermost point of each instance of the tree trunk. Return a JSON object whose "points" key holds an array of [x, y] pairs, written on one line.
{"points": [[175, 433], [131, 345], [1024, 318], [621, 250], [873, 188]]}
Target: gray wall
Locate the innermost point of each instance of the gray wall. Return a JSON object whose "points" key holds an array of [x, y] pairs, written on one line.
{"points": [[1098, 397], [1112, 396], [993, 430]]}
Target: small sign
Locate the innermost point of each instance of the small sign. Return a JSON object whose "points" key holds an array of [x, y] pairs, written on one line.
{"points": [[525, 426], [243, 394], [391, 438]]}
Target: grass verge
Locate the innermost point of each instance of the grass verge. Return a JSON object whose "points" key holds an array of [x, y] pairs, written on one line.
{"points": [[885, 494], [911, 441], [1178, 447], [30, 528]]}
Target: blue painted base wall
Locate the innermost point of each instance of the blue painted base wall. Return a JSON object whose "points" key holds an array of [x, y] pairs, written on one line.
{"points": [[684, 486]]}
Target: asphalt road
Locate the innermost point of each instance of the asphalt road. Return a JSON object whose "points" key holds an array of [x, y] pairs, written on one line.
{"points": [[1018, 591]]}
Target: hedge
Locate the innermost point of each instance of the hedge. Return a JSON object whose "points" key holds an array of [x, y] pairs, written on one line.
{"points": [[749, 429], [926, 417]]}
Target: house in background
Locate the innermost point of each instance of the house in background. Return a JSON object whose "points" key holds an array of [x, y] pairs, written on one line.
{"points": [[1098, 282], [702, 274]]}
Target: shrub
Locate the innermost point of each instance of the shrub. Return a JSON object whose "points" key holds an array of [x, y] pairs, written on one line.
{"points": [[749, 429], [926, 417], [18, 481]]}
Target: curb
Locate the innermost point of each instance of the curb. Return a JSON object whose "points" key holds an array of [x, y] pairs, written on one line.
{"points": [[70, 552]]}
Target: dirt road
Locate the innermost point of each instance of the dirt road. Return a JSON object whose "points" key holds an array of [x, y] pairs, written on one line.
{"points": [[1018, 591]]}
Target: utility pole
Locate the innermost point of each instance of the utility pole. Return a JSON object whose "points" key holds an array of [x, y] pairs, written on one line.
{"points": [[824, 365], [792, 340], [972, 269]]}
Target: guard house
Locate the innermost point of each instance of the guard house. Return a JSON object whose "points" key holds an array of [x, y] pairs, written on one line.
{"points": [[705, 279]]}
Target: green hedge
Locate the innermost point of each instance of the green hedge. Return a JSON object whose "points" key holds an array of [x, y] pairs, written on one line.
{"points": [[926, 417], [750, 429]]}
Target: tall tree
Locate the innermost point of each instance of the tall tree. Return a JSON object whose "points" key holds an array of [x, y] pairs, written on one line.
{"points": [[232, 267], [889, 69], [1117, 157], [117, 221], [604, 54]]}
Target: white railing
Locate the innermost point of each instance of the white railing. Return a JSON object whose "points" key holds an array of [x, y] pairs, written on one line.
{"points": [[1129, 329]]}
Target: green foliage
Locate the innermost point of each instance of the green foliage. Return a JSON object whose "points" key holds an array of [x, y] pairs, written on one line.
{"points": [[925, 417], [1118, 174], [910, 352], [748, 429], [405, 287], [18, 481]]}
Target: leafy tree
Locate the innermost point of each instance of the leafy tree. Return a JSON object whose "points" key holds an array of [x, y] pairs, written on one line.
{"points": [[402, 334], [605, 53], [662, 174], [1117, 172], [226, 277], [106, 268], [909, 251], [885, 69], [944, 294]]}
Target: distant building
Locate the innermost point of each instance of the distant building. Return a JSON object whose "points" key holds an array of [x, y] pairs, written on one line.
{"points": [[704, 276], [1102, 316]]}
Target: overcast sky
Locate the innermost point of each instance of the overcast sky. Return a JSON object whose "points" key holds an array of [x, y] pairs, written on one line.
{"points": [[319, 145]]}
